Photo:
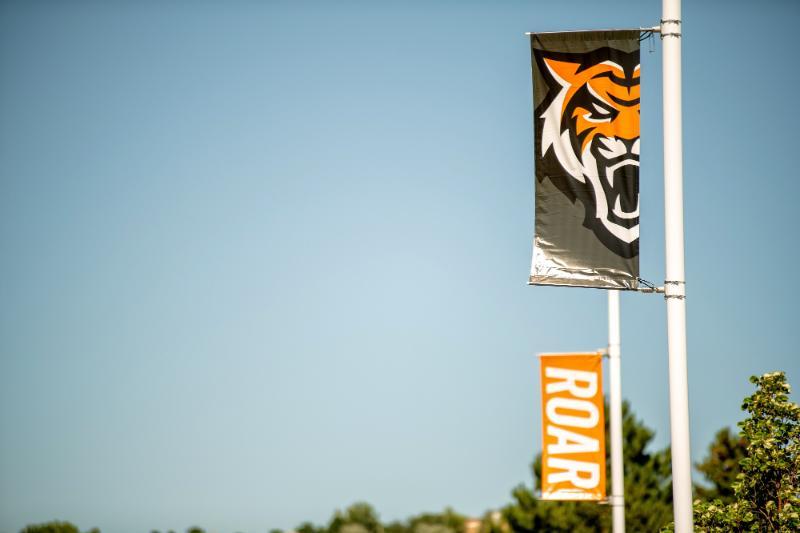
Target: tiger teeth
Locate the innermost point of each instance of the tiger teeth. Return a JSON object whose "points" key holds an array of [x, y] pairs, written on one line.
{"points": [[610, 177]]}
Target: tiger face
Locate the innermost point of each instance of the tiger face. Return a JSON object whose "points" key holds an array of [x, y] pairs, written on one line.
{"points": [[589, 139]]}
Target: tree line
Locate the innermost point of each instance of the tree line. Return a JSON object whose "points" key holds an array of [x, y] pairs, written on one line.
{"points": [[751, 484]]}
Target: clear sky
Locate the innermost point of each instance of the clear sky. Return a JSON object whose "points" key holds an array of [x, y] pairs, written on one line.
{"points": [[261, 260]]}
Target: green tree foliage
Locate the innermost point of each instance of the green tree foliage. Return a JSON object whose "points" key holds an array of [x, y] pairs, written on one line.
{"points": [[446, 522], [51, 527], [648, 492], [396, 527], [362, 518], [766, 494], [493, 522], [721, 466], [308, 527], [648, 477], [358, 518]]}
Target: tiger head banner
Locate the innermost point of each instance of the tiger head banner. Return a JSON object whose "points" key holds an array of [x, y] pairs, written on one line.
{"points": [[586, 140], [573, 427]]}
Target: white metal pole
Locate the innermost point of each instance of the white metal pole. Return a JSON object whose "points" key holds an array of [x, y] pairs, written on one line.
{"points": [[615, 404], [674, 285]]}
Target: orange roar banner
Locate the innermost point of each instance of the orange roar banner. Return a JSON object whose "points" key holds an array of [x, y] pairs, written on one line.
{"points": [[573, 427]]}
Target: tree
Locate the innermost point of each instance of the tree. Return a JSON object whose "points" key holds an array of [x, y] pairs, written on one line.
{"points": [[493, 522], [446, 522], [721, 466], [648, 492], [308, 527], [396, 526], [358, 518], [648, 476], [51, 527], [766, 494]]}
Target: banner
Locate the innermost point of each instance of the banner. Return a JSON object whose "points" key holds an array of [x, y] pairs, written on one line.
{"points": [[586, 141], [573, 427]]}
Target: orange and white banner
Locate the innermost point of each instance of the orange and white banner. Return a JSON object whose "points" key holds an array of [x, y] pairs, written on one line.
{"points": [[573, 427]]}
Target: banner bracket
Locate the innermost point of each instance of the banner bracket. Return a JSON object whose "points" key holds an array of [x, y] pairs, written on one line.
{"points": [[675, 290], [676, 22], [654, 29], [649, 288]]}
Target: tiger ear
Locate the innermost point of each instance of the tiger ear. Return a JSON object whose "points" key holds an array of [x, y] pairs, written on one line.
{"points": [[564, 70]]}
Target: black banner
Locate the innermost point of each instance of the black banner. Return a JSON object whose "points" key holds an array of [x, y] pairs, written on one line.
{"points": [[586, 97]]}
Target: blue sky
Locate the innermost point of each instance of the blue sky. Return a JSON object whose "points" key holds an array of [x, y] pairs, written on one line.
{"points": [[262, 260]]}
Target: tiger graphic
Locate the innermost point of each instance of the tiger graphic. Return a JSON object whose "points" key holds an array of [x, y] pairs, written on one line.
{"points": [[588, 139]]}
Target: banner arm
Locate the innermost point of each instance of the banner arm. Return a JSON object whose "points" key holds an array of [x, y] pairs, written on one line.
{"points": [[654, 29]]}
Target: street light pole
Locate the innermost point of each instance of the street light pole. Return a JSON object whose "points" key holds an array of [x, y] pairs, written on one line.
{"points": [[617, 498], [674, 285]]}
